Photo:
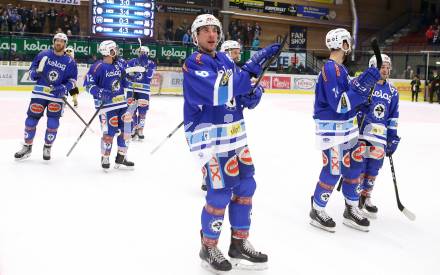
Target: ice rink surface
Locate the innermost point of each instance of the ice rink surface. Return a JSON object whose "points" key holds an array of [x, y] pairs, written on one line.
{"points": [[68, 217]]}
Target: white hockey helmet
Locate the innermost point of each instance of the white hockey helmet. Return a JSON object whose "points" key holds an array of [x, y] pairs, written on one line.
{"points": [[385, 58], [61, 36], [205, 20], [70, 51], [106, 46], [334, 40], [144, 50], [229, 45]]}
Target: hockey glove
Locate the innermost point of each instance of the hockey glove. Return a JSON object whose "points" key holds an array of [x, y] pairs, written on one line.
{"points": [[33, 75], [104, 95], [59, 91], [255, 65], [251, 100], [363, 84], [392, 142]]}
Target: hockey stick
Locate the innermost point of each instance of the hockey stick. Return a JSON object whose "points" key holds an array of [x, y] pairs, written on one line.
{"points": [[85, 129], [377, 54], [266, 67], [40, 72], [166, 138], [410, 215]]}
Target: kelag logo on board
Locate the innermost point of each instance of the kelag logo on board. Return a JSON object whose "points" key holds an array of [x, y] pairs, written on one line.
{"points": [[280, 82]]}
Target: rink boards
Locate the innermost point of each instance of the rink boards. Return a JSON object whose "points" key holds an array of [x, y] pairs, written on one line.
{"points": [[16, 78]]}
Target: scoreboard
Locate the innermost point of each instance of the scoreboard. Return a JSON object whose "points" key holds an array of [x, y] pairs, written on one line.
{"points": [[122, 18]]}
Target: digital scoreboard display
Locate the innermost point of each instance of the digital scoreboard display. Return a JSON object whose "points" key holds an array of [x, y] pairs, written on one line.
{"points": [[123, 18]]}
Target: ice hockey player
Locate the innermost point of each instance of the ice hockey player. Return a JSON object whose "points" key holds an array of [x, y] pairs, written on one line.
{"points": [[55, 74], [138, 91], [105, 80], [337, 132], [233, 49], [378, 132], [215, 93], [73, 92]]}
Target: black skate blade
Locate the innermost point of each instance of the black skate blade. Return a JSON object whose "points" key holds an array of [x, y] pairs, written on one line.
{"points": [[242, 264], [356, 226], [205, 265], [320, 226]]}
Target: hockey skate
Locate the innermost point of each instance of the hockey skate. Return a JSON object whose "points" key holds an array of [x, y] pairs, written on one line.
{"points": [[213, 259], [243, 255], [46, 151], [369, 210], [353, 218], [320, 219], [140, 133], [105, 163], [24, 153], [121, 161]]}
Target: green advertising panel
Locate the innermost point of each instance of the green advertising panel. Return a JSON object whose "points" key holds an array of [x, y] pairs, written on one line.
{"points": [[86, 48]]}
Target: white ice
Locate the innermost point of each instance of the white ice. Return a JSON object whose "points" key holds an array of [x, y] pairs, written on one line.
{"points": [[67, 217]]}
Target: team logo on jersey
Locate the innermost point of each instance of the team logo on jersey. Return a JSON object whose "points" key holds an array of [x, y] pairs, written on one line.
{"points": [[216, 225], [199, 59], [245, 156], [379, 111], [53, 76], [325, 196], [50, 137], [116, 85], [225, 78], [231, 167], [139, 76], [143, 102], [113, 121], [324, 159], [346, 160], [126, 117], [54, 107], [231, 105], [36, 108]]}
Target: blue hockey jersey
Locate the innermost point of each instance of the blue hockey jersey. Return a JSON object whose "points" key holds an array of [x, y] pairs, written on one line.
{"points": [[334, 107], [382, 115], [111, 77], [140, 82], [213, 107], [59, 70]]}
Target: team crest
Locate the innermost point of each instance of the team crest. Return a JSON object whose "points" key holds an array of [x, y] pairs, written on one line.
{"points": [[53, 76], [139, 76], [379, 111], [325, 196], [216, 225], [116, 85]]}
